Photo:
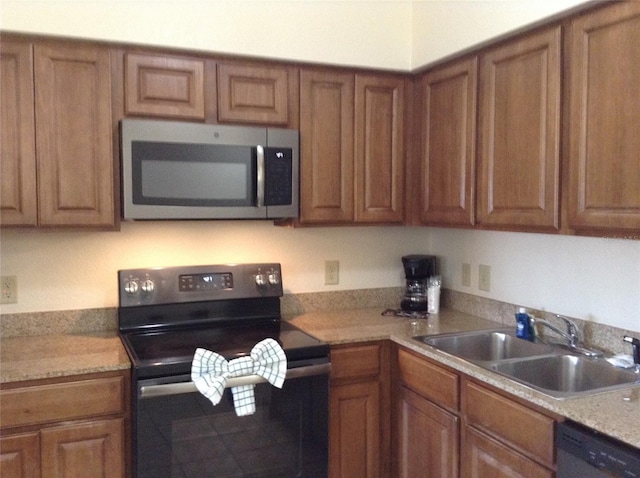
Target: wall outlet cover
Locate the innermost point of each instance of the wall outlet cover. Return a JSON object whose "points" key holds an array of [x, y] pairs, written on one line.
{"points": [[331, 272], [9, 290], [484, 277]]}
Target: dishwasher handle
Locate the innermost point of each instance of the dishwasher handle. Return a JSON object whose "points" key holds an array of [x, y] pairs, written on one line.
{"points": [[167, 389]]}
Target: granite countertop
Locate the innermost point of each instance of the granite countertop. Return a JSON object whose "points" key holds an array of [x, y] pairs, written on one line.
{"points": [[612, 413], [48, 356], [25, 358]]}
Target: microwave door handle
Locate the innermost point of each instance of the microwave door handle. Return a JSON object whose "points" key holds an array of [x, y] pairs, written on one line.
{"points": [[261, 174]]}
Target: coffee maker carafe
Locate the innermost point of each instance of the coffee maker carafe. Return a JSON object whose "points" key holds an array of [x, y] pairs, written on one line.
{"points": [[417, 270]]}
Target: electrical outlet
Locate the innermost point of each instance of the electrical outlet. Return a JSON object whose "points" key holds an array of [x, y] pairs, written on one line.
{"points": [[484, 278], [466, 275], [331, 272], [9, 290]]}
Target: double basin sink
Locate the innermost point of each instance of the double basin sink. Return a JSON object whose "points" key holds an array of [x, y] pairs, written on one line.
{"points": [[545, 368]]}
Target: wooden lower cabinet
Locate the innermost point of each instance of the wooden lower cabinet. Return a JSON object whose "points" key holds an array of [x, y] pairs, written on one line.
{"points": [[483, 456], [92, 449], [89, 449], [359, 438], [447, 425], [428, 438], [20, 455], [65, 428]]}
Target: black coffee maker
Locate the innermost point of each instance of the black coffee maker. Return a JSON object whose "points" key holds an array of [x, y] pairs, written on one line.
{"points": [[417, 270]]}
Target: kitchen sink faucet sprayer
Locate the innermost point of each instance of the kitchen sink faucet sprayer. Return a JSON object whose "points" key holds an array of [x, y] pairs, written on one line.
{"points": [[635, 343]]}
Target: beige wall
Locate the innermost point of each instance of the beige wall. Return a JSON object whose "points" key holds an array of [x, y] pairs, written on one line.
{"points": [[591, 278], [443, 27], [367, 33]]}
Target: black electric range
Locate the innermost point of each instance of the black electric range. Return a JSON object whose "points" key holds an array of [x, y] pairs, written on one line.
{"points": [[166, 313]]}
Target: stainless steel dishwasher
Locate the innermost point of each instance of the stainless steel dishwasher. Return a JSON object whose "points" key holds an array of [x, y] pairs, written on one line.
{"points": [[585, 453]]}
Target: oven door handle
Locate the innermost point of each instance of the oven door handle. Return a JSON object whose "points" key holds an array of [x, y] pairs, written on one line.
{"points": [[151, 391]]}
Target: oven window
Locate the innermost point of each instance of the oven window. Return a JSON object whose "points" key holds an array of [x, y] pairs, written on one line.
{"points": [[181, 174], [185, 436]]}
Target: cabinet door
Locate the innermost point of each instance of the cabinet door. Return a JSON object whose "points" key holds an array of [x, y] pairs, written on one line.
{"points": [[483, 457], [18, 205], [379, 149], [326, 144], [164, 86], [449, 144], [254, 94], [427, 438], [604, 86], [354, 424], [519, 133], [20, 456], [74, 135], [93, 449]]}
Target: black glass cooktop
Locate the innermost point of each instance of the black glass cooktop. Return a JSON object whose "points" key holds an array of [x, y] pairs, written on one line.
{"points": [[166, 352]]}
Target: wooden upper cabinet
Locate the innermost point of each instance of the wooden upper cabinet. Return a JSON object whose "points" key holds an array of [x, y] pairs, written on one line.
{"points": [[170, 87], [18, 203], [604, 147], [73, 135], [448, 119], [256, 94], [326, 146], [379, 149], [519, 133]]}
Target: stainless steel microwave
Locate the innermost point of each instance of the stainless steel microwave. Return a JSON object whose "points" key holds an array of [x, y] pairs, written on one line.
{"points": [[179, 170]]}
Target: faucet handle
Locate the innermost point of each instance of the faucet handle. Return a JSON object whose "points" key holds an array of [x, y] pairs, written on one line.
{"points": [[572, 329]]}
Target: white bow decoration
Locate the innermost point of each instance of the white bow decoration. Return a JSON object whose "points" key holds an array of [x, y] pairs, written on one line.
{"points": [[210, 372]]}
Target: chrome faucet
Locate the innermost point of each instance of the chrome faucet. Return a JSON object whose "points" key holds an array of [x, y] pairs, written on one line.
{"points": [[571, 335]]}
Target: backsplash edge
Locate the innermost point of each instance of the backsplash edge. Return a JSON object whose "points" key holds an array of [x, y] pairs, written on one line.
{"points": [[600, 336]]}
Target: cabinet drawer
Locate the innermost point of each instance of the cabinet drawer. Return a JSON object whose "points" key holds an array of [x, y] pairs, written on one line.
{"points": [[429, 380], [355, 361], [526, 430], [61, 401]]}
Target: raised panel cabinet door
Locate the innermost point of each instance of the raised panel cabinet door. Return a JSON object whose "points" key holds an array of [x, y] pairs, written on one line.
{"points": [[18, 204], [604, 86], [427, 438], [326, 145], [379, 149], [164, 86], [354, 430], [254, 94], [449, 144], [519, 133], [88, 450], [484, 457], [20, 456], [75, 159]]}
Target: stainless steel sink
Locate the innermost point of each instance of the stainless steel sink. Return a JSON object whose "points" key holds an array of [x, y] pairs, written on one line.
{"points": [[563, 376], [548, 369], [485, 346]]}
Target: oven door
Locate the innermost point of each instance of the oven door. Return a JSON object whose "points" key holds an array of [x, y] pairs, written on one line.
{"points": [[179, 433]]}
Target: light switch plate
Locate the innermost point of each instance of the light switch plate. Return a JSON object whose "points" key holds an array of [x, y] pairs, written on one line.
{"points": [[466, 274]]}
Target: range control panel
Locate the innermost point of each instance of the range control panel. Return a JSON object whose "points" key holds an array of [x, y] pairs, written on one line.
{"points": [[168, 285]]}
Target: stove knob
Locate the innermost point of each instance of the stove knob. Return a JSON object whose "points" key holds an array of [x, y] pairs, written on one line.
{"points": [[261, 280], [131, 287], [274, 278], [148, 286]]}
